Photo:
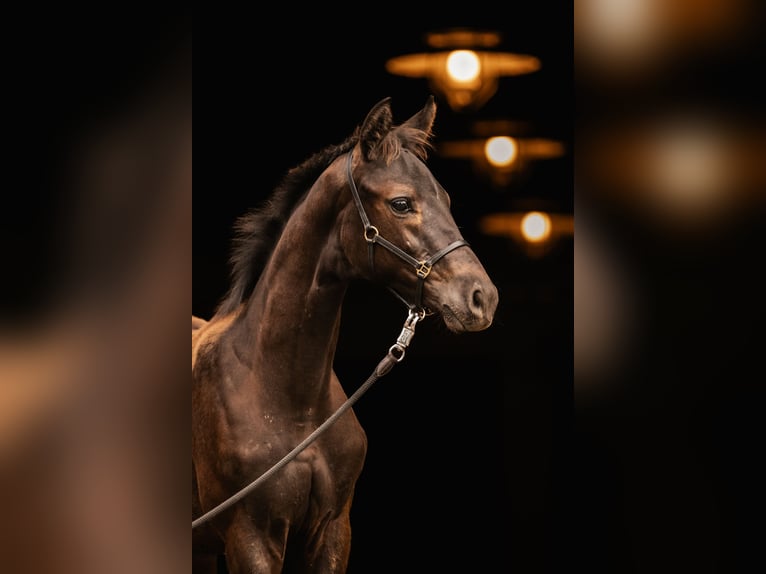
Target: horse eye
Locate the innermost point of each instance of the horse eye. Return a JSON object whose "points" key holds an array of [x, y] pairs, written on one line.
{"points": [[401, 205]]}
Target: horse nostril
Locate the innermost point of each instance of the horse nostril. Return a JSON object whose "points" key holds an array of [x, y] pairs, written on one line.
{"points": [[478, 299]]}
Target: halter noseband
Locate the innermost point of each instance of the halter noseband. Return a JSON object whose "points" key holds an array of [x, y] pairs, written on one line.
{"points": [[372, 236]]}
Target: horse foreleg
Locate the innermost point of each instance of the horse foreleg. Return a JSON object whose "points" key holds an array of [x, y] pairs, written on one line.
{"points": [[333, 554], [249, 549]]}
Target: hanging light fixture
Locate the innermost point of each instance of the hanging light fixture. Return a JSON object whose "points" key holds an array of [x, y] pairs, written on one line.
{"points": [[499, 150], [463, 70], [535, 230]]}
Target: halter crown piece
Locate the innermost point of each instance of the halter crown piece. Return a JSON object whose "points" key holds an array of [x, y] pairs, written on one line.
{"points": [[372, 237]]}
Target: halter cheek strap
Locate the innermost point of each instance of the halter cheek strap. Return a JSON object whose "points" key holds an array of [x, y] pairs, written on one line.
{"points": [[372, 236]]}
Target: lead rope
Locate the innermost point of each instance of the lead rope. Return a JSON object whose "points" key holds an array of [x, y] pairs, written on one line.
{"points": [[395, 355]]}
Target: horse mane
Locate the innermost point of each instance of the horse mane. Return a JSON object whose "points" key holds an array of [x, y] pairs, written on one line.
{"points": [[257, 231]]}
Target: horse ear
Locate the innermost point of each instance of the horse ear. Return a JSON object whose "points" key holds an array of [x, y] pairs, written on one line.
{"points": [[424, 119], [376, 125]]}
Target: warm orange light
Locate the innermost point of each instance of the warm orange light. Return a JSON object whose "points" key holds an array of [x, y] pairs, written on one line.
{"points": [[536, 226], [689, 165], [500, 157], [501, 151], [463, 66], [536, 232], [463, 38], [524, 225], [622, 36], [466, 77], [619, 28]]}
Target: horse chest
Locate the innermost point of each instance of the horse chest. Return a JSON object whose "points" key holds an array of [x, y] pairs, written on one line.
{"points": [[317, 482]]}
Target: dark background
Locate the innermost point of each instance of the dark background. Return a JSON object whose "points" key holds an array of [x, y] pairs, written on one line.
{"points": [[467, 436]]}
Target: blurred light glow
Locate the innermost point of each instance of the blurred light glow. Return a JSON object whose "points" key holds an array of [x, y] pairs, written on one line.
{"points": [[537, 223], [620, 25], [687, 169], [464, 73], [501, 158], [688, 164], [463, 66], [630, 36], [501, 151], [463, 37], [536, 226], [534, 232]]}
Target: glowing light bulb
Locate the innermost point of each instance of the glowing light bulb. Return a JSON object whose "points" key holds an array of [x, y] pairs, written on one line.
{"points": [[463, 66], [536, 226], [501, 151]]}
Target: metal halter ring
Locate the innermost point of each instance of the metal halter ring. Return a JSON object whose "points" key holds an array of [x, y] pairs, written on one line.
{"points": [[370, 238]]}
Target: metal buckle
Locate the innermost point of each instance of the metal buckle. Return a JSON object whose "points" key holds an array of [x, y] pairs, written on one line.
{"points": [[423, 270]]}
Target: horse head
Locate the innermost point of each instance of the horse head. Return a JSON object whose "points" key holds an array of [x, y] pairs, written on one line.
{"points": [[399, 230]]}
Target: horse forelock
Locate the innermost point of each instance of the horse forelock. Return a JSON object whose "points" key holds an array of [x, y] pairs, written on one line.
{"points": [[403, 137], [258, 231]]}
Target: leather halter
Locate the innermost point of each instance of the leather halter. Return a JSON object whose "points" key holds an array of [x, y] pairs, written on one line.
{"points": [[372, 237]]}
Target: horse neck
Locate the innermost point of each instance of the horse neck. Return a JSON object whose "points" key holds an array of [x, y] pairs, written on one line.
{"points": [[294, 312]]}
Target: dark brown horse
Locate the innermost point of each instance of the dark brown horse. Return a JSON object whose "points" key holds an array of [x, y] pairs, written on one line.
{"points": [[262, 366]]}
